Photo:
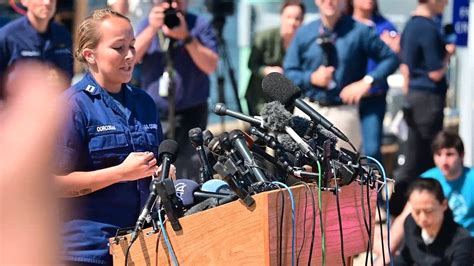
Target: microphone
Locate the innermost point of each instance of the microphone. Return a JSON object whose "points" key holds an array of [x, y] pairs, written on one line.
{"points": [[207, 136], [221, 110], [216, 185], [197, 140], [185, 189], [238, 142], [190, 192], [167, 155], [277, 118], [278, 88]]}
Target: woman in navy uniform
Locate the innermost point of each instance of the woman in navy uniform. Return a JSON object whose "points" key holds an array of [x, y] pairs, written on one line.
{"points": [[107, 151]]}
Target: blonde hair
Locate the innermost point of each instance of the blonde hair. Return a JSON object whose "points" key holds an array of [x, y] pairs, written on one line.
{"points": [[88, 35]]}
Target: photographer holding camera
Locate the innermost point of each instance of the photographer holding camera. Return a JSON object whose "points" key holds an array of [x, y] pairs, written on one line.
{"points": [[178, 48]]}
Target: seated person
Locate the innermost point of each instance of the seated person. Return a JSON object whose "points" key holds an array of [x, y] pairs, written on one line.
{"points": [[456, 181], [430, 233]]}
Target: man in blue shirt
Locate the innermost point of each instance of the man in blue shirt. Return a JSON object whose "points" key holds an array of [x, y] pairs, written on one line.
{"points": [[36, 36], [193, 50], [333, 76]]}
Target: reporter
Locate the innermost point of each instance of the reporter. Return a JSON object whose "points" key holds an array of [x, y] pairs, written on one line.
{"points": [[107, 150], [192, 48]]}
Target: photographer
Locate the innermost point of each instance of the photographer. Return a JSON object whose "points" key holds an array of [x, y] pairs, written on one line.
{"points": [[193, 55]]}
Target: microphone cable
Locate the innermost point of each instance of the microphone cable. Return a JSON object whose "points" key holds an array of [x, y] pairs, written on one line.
{"points": [[167, 241], [369, 241], [293, 220], [341, 237], [280, 229], [387, 205], [320, 207], [313, 225], [381, 233], [367, 225]]}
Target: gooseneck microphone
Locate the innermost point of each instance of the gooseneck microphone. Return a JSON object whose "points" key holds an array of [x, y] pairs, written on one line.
{"points": [[278, 88], [221, 110], [197, 140], [167, 155]]}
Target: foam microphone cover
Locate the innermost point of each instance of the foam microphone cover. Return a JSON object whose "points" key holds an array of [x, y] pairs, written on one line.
{"points": [[215, 185], [275, 116], [185, 190], [287, 142], [300, 125], [279, 88], [326, 134], [169, 147]]}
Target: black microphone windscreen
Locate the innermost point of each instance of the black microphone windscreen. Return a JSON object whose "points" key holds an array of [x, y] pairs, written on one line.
{"points": [[279, 88], [275, 116], [326, 134], [300, 125], [170, 147], [287, 142]]}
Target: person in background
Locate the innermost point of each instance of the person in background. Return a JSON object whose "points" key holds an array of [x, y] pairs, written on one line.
{"points": [[28, 216], [328, 58], [373, 105], [106, 152], [192, 46], [425, 57], [431, 237], [268, 51], [36, 36], [456, 181]]}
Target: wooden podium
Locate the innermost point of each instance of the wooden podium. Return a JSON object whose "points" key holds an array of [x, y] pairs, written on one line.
{"points": [[232, 234]]}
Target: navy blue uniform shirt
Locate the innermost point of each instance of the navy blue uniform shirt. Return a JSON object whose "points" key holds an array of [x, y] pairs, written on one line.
{"points": [[423, 50], [355, 43], [192, 84], [18, 39], [99, 135]]}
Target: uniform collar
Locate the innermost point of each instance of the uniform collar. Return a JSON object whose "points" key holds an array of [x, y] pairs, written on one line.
{"points": [[91, 87]]}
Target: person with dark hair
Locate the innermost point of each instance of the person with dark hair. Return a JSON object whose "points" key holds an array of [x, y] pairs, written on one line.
{"points": [[456, 182], [425, 57], [106, 152], [36, 36], [431, 237], [372, 106], [185, 54], [328, 59], [268, 50]]}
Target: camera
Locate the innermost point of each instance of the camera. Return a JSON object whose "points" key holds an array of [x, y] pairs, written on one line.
{"points": [[171, 18]]}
